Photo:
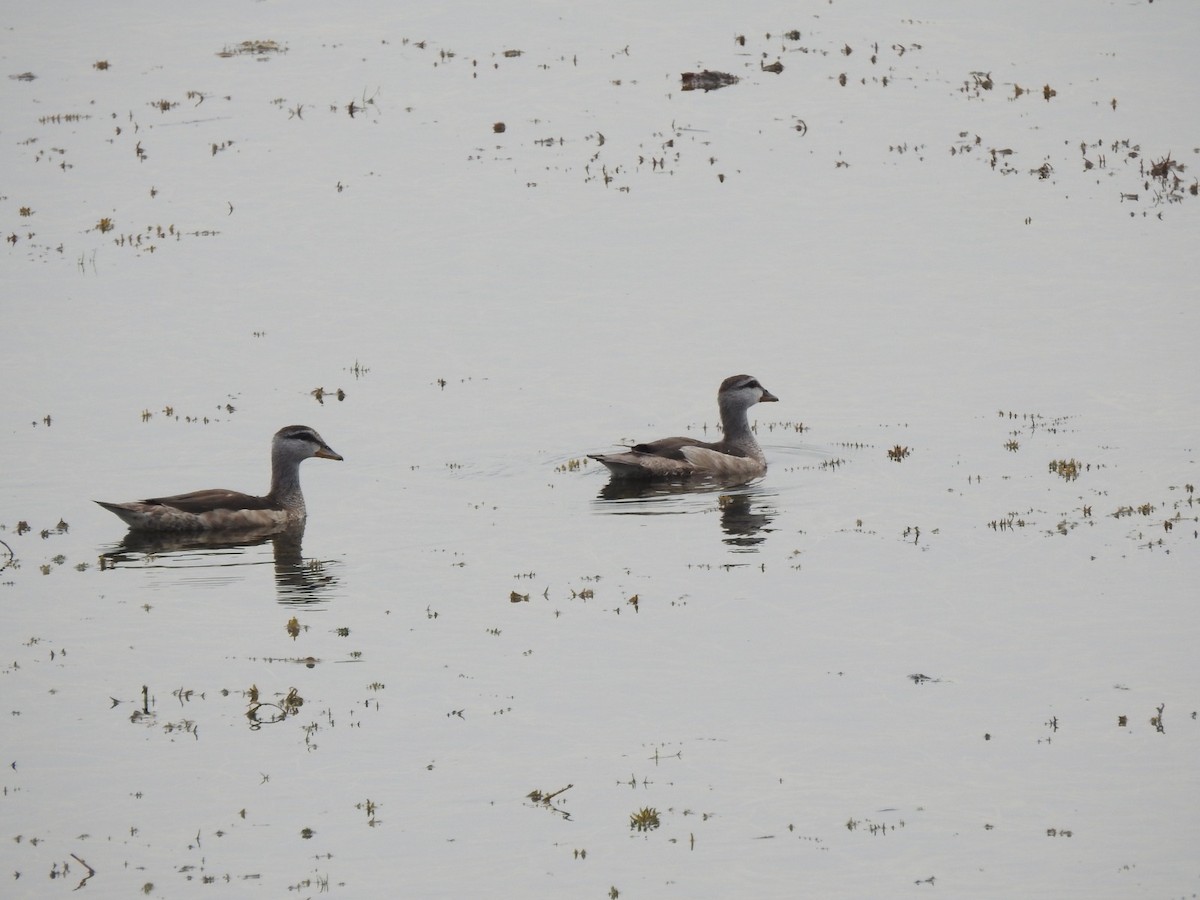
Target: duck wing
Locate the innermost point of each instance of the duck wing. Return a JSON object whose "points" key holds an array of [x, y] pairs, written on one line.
{"points": [[671, 448], [197, 502]]}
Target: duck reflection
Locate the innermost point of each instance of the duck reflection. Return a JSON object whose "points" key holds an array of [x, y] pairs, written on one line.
{"points": [[745, 510], [297, 581], [745, 521]]}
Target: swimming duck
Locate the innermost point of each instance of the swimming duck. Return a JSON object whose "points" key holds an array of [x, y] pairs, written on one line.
{"points": [[221, 510], [736, 455]]}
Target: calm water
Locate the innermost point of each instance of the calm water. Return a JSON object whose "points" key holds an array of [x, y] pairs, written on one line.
{"points": [[970, 668]]}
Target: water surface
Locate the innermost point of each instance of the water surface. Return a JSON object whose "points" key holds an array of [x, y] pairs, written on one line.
{"points": [[958, 669]]}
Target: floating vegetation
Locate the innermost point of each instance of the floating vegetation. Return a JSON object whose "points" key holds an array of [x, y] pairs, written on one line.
{"points": [[706, 80], [1145, 509], [354, 107], [645, 819], [101, 65], [252, 48], [369, 807], [1160, 182], [148, 240], [183, 726], [1165, 172], [288, 705], [169, 412], [60, 118], [320, 393], [1067, 469], [105, 225], [1157, 719], [873, 828], [923, 679], [1007, 523], [541, 798], [898, 453]]}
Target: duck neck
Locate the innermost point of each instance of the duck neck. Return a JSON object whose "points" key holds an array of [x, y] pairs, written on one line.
{"points": [[285, 481], [736, 426]]}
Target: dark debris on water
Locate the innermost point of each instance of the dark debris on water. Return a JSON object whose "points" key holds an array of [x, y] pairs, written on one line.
{"points": [[707, 80]]}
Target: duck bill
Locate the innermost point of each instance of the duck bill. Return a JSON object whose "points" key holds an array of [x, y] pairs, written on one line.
{"points": [[327, 453], [767, 397]]}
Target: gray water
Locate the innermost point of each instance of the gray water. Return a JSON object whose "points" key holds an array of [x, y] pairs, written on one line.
{"points": [[967, 668]]}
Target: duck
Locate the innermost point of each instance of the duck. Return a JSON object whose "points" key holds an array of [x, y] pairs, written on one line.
{"points": [[736, 456], [218, 509]]}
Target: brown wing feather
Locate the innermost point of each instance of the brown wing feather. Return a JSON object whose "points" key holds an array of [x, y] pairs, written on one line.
{"points": [[215, 498], [672, 447]]}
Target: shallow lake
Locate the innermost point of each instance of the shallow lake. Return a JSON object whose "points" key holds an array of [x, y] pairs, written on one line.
{"points": [[947, 643]]}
